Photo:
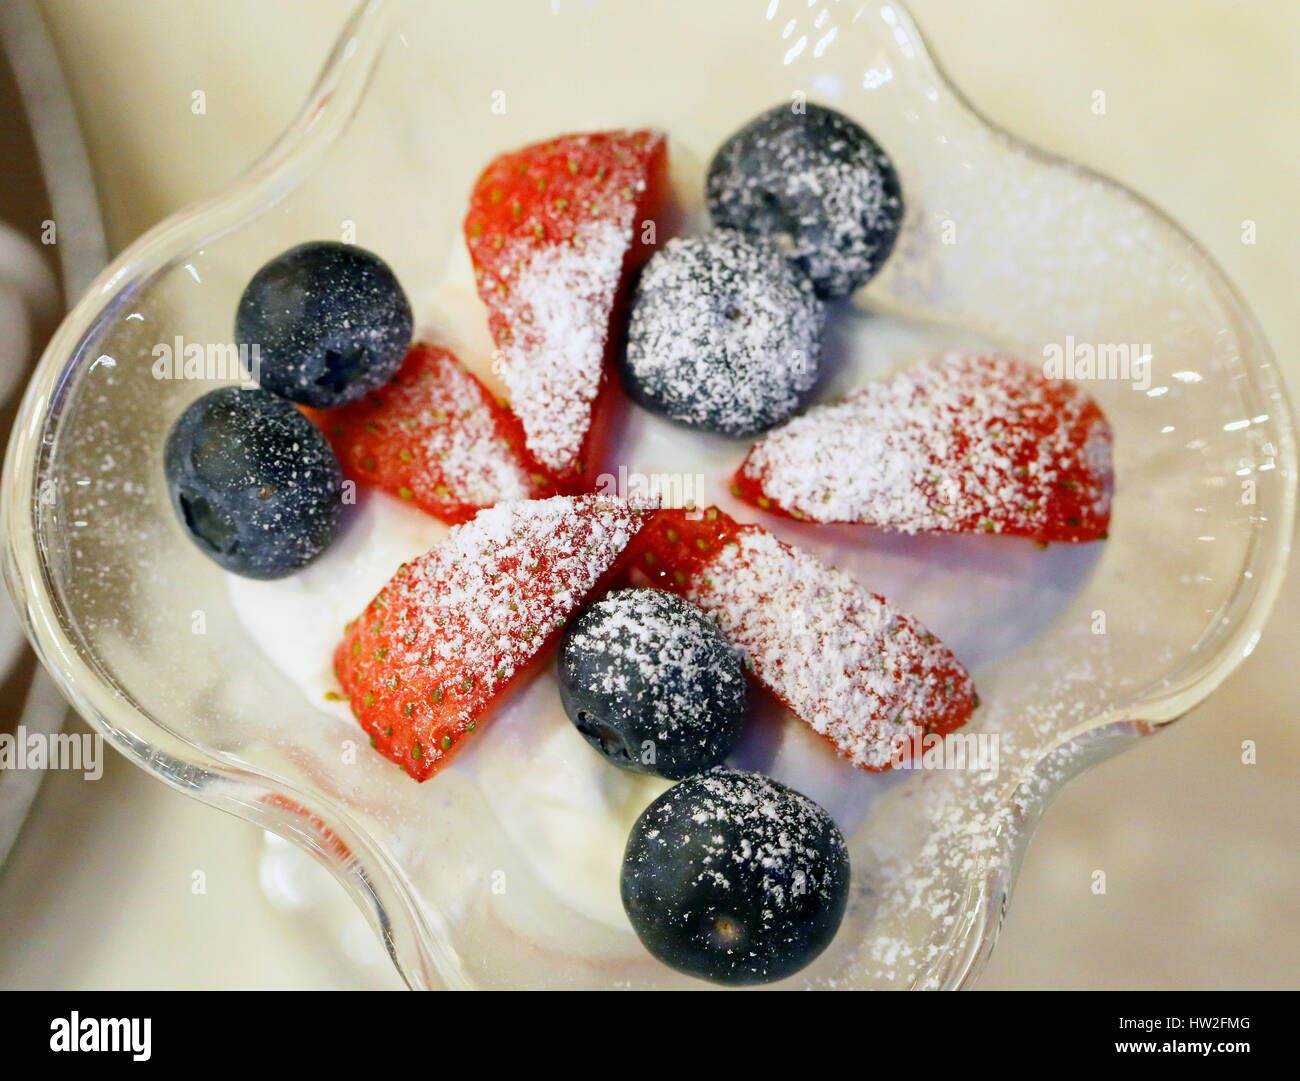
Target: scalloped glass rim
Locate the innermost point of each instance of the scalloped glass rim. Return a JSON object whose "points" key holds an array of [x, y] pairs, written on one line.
{"points": [[413, 935]]}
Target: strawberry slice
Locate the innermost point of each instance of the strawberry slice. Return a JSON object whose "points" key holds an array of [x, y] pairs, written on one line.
{"points": [[553, 231], [453, 629], [860, 673], [435, 435], [959, 444]]}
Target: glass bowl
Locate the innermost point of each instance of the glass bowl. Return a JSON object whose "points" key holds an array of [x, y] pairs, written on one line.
{"points": [[1077, 651]]}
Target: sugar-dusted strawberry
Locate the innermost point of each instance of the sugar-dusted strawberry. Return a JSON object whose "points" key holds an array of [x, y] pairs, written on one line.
{"points": [[959, 444], [553, 231], [434, 434], [451, 630], [863, 675]]}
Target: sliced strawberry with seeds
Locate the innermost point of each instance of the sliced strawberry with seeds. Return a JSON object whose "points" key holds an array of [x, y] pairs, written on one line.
{"points": [[453, 629], [553, 231], [435, 435], [863, 675], [959, 444]]}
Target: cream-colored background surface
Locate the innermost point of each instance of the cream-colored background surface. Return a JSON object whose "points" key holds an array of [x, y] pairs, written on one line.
{"points": [[1201, 852]]}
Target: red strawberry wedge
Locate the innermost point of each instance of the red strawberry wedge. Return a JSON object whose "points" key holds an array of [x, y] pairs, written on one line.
{"points": [[959, 444], [435, 435], [553, 231], [857, 671], [453, 629]]}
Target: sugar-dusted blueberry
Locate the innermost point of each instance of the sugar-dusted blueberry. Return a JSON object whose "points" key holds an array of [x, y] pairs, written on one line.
{"points": [[817, 184], [730, 876], [330, 321], [651, 683], [253, 481], [725, 335]]}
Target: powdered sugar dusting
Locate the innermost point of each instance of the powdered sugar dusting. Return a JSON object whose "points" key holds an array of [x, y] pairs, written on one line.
{"points": [[855, 669], [550, 231], [754, 833], [819, 185], [558, 305], [452, 628], [434, 435], [662, 670], [959, 443], [473, 462], [725, 335], [959, 828], [485, 598]]}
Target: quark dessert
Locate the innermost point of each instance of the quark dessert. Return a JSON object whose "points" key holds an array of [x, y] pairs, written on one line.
{"points": [[475, 530]]}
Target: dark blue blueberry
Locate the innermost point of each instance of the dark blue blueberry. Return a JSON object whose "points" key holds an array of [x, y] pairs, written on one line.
{"points": [[652, 684], [731, 876], [254, 482], [725, 335], [815, 183], [330, 321]]}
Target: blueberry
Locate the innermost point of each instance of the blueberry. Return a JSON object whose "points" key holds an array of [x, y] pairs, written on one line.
{"points": [[652, 684], [725, 335], [818, 185], [253, 481], [731, 876], [330, 321]]}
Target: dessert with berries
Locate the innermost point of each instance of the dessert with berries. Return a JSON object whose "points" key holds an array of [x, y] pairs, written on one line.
{"points": [[607, 671]]}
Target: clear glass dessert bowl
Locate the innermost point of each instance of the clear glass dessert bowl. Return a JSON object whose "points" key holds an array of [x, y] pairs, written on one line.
{"points": [[1077, 651]]}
